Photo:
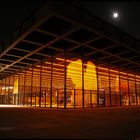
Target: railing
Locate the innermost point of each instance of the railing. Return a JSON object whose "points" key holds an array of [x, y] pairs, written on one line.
{"points": [[74, 99]]}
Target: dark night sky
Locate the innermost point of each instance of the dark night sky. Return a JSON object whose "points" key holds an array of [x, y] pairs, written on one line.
{"points": [[129, 20], [13, 12]]}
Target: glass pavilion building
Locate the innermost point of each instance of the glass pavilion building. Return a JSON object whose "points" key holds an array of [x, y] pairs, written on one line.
{"points": [[65, 57]]}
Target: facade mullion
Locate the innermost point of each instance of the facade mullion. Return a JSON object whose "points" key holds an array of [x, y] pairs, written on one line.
{"points": [[65, 79], [32, 86], [24, 94], [110, 88], [19, 87], [90, 98], [128, 89], [40, 93], [51, 86], [13, 90], [136, 91], [5, 96], [1, 91], [97, 77], [8, 90], [83, 83], [120, 89], [74, 98]]}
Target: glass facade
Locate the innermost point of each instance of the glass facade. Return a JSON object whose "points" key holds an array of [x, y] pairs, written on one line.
{"points": [[63, 82]]}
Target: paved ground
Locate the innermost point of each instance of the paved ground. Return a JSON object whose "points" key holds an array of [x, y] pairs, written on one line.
{"points": [[100, 123]]}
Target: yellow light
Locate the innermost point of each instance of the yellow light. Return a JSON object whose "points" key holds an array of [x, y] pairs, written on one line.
{"points": [[103, 68], [111, 70], [7, 88]]}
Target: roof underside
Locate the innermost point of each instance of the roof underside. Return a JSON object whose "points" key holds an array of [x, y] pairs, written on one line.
{"points": [[65, 28]]}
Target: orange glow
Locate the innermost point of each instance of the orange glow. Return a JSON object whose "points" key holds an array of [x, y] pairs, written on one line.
{"points": [[113, 71], [123, 73], [131, 75], [90, 81], [15, 88], [70, 73], [101, 68], [74, 74], [117, 85], [90, 84]]}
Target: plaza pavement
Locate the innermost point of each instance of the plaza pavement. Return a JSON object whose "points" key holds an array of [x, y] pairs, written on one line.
{"points": [[45, 123]]}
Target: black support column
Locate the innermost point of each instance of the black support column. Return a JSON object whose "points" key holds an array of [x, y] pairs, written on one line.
{"points": [[13, 90], [83, 83], [110, 88], [65, 78], [128, 88], [74, 98], [8, 90], [18, 87], [120, 89], [40, 93], [97, 85], [51, 86], [24, 94], [136, 91], [32, 85], [1, 91]]}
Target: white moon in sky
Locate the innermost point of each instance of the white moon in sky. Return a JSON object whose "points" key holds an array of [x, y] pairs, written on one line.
{"points": [[115, 15]]}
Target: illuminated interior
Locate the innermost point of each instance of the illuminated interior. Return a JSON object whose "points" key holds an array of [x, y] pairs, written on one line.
{"points": [[70, 84]]}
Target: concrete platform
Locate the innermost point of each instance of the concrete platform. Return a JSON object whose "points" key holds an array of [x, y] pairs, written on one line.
{"points": [[44, 123]]}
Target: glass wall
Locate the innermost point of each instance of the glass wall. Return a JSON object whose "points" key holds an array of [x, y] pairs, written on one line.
{"points": [[137, 80], [58, 80], [90, 84], [64, 82]]}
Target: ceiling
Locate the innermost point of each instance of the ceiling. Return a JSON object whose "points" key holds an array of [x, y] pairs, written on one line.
{"points": [[54, 31]]}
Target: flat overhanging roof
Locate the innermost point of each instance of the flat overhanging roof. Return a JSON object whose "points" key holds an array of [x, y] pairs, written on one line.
{"points": [[60, 27]]}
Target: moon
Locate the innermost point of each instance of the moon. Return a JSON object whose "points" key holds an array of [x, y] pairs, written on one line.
{"points": [[115, 15]]}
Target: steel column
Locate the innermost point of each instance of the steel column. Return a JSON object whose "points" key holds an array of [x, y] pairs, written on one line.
{"points": [[97, 85], [83, 83], [65, 78], [51, 86], [136, 91], [40, 93], [110, 87], [24, 87], [120, 89], [128, 89], [18, 85], [31, 85]]}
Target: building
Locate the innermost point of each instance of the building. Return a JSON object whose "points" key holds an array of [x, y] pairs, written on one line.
{"points": [[65, 57]]}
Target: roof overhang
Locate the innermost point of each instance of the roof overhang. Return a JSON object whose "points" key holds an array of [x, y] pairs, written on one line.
{"points": [[61, 27]]}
